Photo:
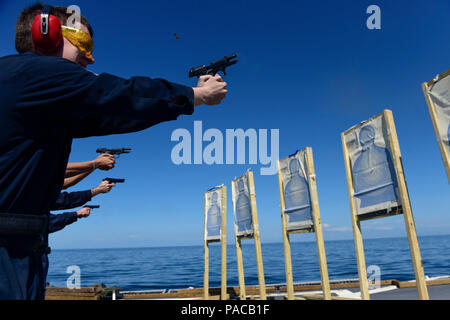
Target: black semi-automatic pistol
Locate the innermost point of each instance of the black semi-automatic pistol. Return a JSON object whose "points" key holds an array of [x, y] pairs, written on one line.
{"points": [[92, 206], [114, 180], [114, 152], [214, 67]]}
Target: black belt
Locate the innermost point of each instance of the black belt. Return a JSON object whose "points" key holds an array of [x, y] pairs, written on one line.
{"points": [[24, 232], [14, 224]]}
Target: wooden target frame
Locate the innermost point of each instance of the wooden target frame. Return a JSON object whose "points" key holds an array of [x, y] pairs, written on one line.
{"points": [[222, 240], [316, 227], [445, 151], [255, 235], [404, 208]]}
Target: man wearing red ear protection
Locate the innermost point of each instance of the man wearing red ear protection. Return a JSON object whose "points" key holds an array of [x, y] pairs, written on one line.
{"points": [[51, 37], [47, 99]]}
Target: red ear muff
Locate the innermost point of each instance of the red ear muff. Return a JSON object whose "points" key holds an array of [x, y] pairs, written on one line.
{"points": [[46, 32]]}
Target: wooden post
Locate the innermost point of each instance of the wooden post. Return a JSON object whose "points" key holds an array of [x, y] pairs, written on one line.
{"points": [[406, 207], [240, 264], [206, 273], [286, 242], [256, 236], [223, 295], [357, 234], [318, 225]]}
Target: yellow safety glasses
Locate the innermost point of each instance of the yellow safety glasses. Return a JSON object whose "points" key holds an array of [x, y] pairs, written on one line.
{"points": [[80, 39]]}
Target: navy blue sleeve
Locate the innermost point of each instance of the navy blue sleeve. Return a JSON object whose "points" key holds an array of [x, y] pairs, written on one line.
{"points": [[95, 105], [58, 222], [70, 200], [45, 102]]}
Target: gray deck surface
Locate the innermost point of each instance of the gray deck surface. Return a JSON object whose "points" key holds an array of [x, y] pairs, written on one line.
{"points": [[439, 292]]}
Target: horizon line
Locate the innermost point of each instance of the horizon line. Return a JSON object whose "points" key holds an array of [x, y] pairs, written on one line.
{"points": [[246, 244]]}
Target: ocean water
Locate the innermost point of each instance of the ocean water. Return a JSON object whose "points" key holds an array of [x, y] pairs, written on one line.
{"points": [[182, 267]]}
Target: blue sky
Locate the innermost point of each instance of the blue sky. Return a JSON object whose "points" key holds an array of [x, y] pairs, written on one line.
{"points": [[310, 69]]}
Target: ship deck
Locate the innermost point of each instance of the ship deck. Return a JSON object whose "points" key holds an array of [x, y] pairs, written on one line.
{"points": [[347, 289]]}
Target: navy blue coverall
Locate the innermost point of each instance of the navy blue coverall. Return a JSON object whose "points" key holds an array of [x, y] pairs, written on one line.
{"points": [[70, 200], [45, 102], [57, 222], [67, 200]]}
